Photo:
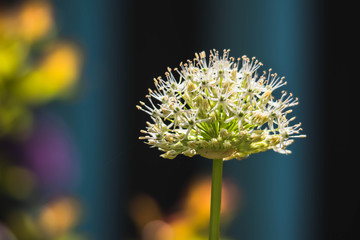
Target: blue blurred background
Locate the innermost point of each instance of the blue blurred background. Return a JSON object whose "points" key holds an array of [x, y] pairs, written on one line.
{"points": [[91, 178]]}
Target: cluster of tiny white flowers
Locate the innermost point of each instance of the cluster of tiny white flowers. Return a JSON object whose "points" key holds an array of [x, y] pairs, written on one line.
{"points": [[219, 110]]}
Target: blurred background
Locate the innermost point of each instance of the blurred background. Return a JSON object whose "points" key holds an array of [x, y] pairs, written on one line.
{"points": [[71, 164]]}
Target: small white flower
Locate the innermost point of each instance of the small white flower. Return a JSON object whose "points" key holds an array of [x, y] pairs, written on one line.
{"points": [[219, 109]]}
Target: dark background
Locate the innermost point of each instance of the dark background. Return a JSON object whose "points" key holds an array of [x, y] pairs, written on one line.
{"points": [[127, 43], [340, 182]]}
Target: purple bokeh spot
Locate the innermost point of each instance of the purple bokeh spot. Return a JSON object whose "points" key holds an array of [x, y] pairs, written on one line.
{"points": [[51, 154]]}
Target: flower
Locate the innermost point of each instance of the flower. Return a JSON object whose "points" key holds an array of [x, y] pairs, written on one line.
{"points": [[219, 110]]}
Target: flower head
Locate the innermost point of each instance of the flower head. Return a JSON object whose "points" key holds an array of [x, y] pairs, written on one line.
{"points": [[220, 109]]}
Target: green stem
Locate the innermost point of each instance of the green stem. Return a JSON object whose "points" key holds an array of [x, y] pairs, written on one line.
{"points": [[215, 199]]}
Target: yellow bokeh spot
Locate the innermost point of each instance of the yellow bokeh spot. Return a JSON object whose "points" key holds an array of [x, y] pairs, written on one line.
{"points": [[62, 65], [18, 182], [144, 209], [56, 73], [198, 201], [182, 229], [23, 225], [12, 55], [157, 230], [29, 21], [35, 19], [197, 204], [14, 118], [59, 216]]}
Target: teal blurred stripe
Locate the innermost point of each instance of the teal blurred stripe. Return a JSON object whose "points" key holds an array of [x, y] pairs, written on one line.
{"points": [[92, 117], [278, 191]]}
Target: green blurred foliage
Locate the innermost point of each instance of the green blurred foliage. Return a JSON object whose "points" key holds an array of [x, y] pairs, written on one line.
{"points": [[35, 65]]}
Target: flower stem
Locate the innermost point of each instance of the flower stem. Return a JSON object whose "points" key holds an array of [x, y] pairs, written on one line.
{"points": [[215, 199]]}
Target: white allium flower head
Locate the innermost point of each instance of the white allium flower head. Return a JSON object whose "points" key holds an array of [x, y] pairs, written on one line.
{"points": [[220, 109]]}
